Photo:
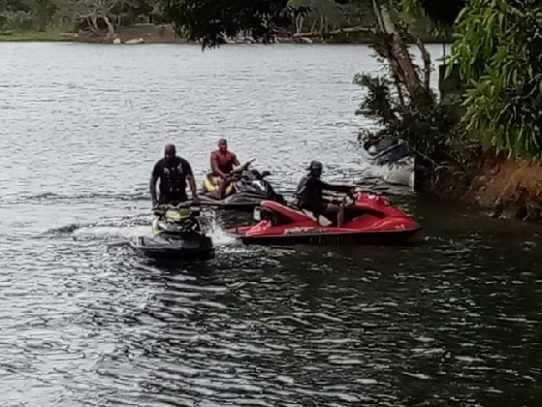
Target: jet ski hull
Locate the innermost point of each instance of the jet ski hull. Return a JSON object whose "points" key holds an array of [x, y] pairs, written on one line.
{"points": [[329, 238], [395, 164], [190, 246], [238, 202], [371, 220], [246, 192]]}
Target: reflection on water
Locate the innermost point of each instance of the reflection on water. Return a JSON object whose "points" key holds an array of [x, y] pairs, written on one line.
{"points": [[452, 318]]}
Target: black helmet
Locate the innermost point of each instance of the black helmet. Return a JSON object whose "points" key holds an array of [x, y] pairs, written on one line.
{"points": [[315, 165]]}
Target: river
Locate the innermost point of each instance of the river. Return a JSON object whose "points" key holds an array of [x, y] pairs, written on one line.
{"points": [[451, 319]]}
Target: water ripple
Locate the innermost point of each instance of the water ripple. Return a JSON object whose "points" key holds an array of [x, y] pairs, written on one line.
{"points": [[453, 318]]}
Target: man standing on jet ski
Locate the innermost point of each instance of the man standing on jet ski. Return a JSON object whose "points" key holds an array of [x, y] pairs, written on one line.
{"points": [[222, 164], [309, 193], [173, 172]]}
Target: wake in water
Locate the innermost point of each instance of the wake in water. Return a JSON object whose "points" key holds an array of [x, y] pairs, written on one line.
{"points": [[219, 236], [111, 232], [91, 196], [125, 229]]}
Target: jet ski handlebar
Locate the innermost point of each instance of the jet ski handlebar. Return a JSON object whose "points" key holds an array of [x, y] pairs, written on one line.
{"points": [[237, 173], [242, 168], [346, 198]]}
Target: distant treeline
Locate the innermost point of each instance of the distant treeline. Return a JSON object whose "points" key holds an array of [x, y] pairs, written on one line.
{"points": [[99, 16], [104, 17]]}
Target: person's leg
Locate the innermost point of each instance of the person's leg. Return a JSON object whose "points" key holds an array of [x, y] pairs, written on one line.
{"points": [[223, 184], [351, 212], [334, 213]]}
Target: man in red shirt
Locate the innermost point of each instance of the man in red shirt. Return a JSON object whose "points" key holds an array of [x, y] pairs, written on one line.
{"points": [[222, 164]]}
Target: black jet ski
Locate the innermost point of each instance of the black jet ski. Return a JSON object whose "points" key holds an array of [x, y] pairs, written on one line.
{"points": [[247, 190], [177, 233]]}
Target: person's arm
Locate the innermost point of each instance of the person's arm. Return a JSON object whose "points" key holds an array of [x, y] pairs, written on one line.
{"points": [[347, 189], [214, 166], [191, 182], [236, 162], [152, 185]]}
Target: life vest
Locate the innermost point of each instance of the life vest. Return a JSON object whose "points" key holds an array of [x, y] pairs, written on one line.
{"points": [[173, 179]]}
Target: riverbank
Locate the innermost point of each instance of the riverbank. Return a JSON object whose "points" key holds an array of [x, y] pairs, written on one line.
{"points": [[508, 189], [9, 36], [501, 187], [164, 34]]}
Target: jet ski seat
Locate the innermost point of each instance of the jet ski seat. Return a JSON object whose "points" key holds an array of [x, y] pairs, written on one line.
{"points": [[293, 212]]}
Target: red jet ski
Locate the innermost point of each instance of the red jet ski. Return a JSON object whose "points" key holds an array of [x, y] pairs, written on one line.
{"points": [[370, 220]]}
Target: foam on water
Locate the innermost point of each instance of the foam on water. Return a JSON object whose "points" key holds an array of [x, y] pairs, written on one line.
{"points": [[109, 232], [219, 236]]}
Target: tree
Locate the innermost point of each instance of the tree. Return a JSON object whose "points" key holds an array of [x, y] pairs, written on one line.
{"points": [[42, 11], [499, 53], [212, 21], [92, 12], [321, 15]]}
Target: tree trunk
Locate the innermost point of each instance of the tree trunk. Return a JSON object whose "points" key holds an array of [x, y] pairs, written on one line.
{"points": [[299, 24], [426, 63], [322, 23], [376, 10], [93, 19], [313, 27], [400, 52], [392, 46], [110, 28]]}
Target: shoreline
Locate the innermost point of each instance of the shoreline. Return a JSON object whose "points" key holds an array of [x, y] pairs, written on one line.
{"points": [[163, 34], [52, 39]]}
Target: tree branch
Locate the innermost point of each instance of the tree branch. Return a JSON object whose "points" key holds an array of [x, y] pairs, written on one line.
{"points": [[347, 30]]}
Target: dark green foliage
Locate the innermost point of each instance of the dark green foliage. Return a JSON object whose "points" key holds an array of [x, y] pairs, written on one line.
{"points": [[211, 21], [429, 128], [39, 15], [499, 53], [442, 12]]}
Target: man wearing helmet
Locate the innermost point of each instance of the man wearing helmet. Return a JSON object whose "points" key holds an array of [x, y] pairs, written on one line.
{"points": [[309, 193]]}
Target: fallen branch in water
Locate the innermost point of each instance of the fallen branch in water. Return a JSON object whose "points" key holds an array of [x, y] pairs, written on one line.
{"points": [[346, 30]]}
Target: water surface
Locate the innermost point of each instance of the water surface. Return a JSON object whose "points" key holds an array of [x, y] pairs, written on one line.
{"points": [[454, 318]]}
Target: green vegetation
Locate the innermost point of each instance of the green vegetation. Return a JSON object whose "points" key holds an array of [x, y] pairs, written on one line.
{"points": [[405, 106], [45, 36], [498, 49], [207, 21], [211, 22], [499, 53], [100, 17]]}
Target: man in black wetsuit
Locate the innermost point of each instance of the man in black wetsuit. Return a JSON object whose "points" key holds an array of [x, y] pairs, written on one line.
{"points": [[173, 172], [309, 193]]}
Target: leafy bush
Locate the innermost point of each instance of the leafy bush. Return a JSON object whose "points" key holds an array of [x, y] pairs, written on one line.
{"points": [[16, 20], [499, 51], [430, 129]]}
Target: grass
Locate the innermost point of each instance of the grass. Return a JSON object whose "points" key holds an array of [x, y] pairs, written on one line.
{"points": [[12, 36]]}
